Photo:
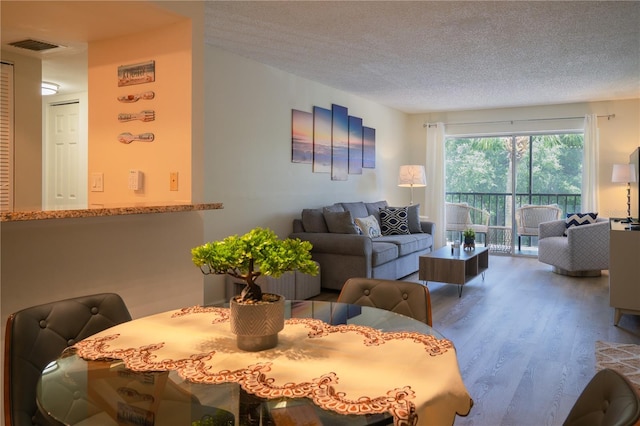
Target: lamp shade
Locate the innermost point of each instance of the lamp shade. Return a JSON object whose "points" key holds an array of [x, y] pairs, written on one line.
{"points": [[623, 173], [412, 175]]}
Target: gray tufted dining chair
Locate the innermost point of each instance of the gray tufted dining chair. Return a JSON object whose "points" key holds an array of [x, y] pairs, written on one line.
{"points": [[608, 399], [402, 297], [37, 335]]}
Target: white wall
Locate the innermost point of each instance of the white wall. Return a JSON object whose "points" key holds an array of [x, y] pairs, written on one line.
{"points": [[248, 149], [248, 146], [619, 136]]}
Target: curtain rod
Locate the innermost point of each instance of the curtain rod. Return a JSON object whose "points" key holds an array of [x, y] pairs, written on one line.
{"points": [[609, 117]]}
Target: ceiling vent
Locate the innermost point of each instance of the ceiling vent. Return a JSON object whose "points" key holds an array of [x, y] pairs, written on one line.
{"points": [[34, 45]]}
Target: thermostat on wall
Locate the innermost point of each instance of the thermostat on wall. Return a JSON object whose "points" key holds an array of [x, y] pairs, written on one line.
{"points": [[135, 180]]}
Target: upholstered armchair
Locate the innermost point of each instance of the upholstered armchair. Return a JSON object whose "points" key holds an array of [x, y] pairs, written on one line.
{"points": [[584, 252], [461, 216], [529, 216]]}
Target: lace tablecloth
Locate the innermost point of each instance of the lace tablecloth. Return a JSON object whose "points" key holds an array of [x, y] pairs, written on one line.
{"points": [[350, 369]]}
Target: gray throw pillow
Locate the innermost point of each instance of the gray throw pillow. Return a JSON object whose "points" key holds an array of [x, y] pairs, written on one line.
{"points": [[313, 221], [340, 222]]}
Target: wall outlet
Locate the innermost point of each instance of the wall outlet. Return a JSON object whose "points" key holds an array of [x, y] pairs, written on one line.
{"points": [[173, 181], [97, 182]]}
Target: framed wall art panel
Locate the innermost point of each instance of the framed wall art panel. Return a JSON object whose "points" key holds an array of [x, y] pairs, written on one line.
{"points": [[339, 143], [355, 145], [321, 140], [301, 137], [368, 148]]}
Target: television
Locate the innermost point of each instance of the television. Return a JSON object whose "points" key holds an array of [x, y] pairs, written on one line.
{"points": [[635, 186]]}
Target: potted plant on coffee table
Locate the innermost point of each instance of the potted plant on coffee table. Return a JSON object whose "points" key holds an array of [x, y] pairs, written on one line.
{"points": [[256, 317], [469, 239]]}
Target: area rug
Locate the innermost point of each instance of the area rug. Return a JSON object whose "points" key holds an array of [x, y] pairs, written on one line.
{"points": [[622, 357]]}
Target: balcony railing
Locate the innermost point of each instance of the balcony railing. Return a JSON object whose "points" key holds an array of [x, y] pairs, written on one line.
{"points": [[500, 205]]}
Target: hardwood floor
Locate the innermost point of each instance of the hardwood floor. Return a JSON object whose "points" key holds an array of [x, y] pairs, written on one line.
{"points": [[525, 338]]}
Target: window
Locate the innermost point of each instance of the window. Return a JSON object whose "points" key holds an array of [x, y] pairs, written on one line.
{"points": [[500, 174]]}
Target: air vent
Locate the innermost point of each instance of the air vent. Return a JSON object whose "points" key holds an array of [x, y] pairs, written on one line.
{"points": [[35, 45]]}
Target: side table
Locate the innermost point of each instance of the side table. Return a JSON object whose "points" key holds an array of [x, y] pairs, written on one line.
{"points": [[499, 239]]}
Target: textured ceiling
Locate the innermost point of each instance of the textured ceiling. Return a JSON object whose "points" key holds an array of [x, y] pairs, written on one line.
{"points": [[443, 55]]}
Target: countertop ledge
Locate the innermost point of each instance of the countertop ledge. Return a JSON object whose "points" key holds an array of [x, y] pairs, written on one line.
{"points": [[100, 211]]}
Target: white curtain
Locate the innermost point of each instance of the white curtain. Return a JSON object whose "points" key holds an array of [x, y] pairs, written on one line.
{"points": [[590, 164], [435, 189]]}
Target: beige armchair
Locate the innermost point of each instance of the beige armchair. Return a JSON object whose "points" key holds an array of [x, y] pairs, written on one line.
{"points": [[461, 216], [529, 218]]}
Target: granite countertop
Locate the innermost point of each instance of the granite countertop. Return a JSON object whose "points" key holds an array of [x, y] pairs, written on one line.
{"points": [[102, 210]]}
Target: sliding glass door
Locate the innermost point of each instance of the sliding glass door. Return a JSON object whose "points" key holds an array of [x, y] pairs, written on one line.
{"points": [[500, 175]]}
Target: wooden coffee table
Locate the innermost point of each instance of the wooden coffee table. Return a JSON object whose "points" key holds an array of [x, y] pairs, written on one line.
{"points": [[442, 266]]}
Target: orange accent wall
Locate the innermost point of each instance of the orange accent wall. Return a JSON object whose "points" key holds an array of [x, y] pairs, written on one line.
{"points": [[170, 48]]}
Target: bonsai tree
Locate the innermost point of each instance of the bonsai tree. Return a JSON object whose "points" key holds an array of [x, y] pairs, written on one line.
{"points": [[258, 252]]}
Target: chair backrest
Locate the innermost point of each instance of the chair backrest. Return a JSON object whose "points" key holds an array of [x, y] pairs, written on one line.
{"points": [[529, 217], [402, 297], [36, 336], [608, 399], [458, 216]]}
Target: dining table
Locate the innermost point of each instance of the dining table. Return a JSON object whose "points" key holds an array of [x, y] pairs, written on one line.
{"points": [[335, 364]]}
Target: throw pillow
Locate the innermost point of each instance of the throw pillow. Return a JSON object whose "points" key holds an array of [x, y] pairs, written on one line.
{"points": [[313, 221], [340, 222], [413, 218], [369, 226], [394, 221], [578, 219]]}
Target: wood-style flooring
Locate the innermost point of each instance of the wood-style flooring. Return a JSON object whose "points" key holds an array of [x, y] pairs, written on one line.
{"points": [[525, 338]]}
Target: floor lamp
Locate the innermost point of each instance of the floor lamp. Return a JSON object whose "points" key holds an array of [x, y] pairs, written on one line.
{"points": [[410, 176], [625, 173]]}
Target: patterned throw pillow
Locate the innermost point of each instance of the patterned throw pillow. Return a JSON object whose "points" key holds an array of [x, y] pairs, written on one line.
{"points": [[369, 226], [577, 219], [413, 218], [394, 221]]}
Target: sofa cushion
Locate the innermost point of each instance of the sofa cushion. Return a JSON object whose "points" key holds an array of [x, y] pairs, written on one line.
{"points": [[394, 221], [337, 207], [313, 221], [340, 222], [369, 226], [357, 209], [408, 244], [374, 208], [383, 252], [578, 219]]}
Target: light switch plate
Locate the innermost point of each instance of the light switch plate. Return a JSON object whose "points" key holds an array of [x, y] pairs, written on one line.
{"points": [[97, 182]]}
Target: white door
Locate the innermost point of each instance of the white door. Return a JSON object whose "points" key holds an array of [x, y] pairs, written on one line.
{"points": [[64, 181]]}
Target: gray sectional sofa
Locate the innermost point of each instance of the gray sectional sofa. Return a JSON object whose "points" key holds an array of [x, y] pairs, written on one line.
{"points": [[347, 244]]}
